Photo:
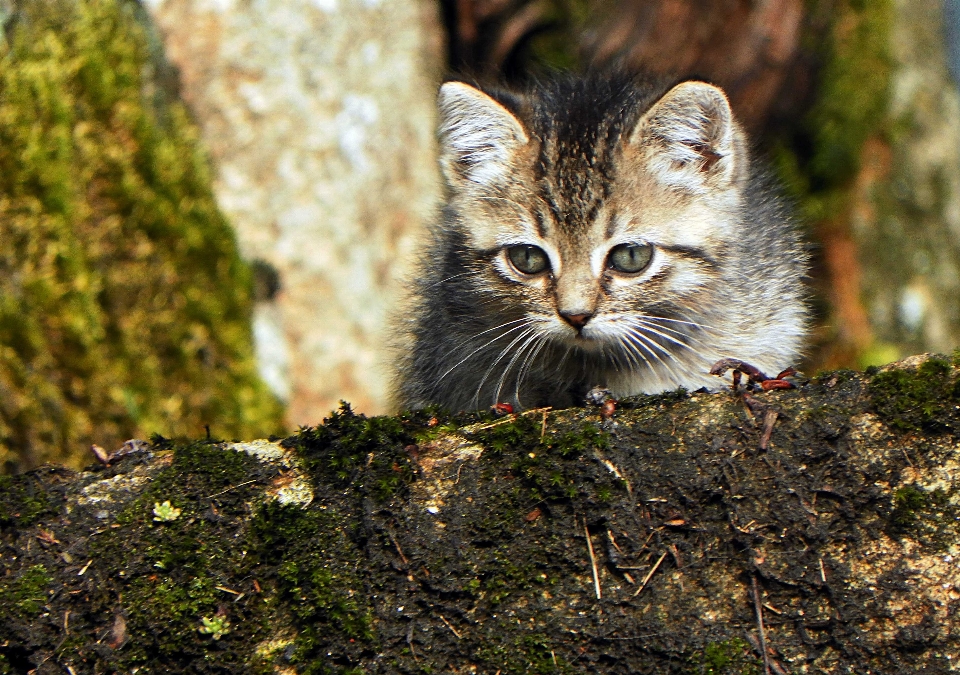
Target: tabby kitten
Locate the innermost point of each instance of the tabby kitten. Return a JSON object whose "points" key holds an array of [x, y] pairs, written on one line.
{"points": [[600, 231]]}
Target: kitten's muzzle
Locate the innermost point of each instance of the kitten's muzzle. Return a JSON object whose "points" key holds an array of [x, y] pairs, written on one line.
{"points": [[577, 320]]}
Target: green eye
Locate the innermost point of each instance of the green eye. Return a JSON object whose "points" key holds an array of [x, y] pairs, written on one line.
{"points": [[528, 259], [630, 258]]}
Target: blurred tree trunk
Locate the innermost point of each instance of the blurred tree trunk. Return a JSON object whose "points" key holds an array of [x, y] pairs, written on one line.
{"points": [[319, 117], [905, 207]]}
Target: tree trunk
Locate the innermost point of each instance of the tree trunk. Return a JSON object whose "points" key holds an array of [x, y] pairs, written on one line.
{"points": [[686, 533], [319, 118]]}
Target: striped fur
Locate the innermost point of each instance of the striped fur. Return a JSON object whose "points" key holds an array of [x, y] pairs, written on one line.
{"points": [[576, 167]]}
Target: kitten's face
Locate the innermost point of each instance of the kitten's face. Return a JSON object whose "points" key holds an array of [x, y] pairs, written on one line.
{"points": [[596, 257]]}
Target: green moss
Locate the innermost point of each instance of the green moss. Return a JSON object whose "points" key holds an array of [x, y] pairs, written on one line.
{"points": [[907, 501], [729, 657], [348, 443], [22, 502], [920, 399], [928, 517], [528, 654], [25, 594], [315, 581], [124, 306]]}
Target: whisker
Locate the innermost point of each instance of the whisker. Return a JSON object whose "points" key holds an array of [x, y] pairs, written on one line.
{"points": [[694, 324], [528, 363], [443, 281], [674, 340], [646, 339], [519, 352], [484, 345], [469, 338], [528, 329]]}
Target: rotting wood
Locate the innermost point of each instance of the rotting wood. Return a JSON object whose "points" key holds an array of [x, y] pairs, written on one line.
{"points": [[852, 547]]}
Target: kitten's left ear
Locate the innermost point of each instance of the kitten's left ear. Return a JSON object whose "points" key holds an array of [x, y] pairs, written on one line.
{"points": [[479, 138], [690, 139]]}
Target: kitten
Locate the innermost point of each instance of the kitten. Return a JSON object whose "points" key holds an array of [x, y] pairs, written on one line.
{"points": [[599, 231]]}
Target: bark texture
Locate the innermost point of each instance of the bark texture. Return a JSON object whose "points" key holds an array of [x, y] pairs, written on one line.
{"points": [[652, 541], [319, 117]]}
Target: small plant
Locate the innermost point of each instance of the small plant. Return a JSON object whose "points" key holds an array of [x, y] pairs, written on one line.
{"points": [[165, 513], [216, 627]]}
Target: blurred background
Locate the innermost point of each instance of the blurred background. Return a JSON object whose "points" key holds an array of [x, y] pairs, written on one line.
{"points": [[207, 207]]}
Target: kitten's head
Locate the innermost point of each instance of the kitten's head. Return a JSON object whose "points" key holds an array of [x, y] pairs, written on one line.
{"points": [[590, 209]]}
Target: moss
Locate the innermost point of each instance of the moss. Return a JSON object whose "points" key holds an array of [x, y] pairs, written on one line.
{"points": [[26, 593], [22, 501], [921, 399], [906, 502], [728, 657], [124, 306], [348, 444], [316, 582], [925, 516], [528, 654]]}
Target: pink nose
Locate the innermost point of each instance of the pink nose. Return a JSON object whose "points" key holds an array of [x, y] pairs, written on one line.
{"points": [[578, 321]]}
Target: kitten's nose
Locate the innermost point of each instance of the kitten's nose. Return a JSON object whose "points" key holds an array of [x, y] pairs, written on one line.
{"points": [[578, 321]]}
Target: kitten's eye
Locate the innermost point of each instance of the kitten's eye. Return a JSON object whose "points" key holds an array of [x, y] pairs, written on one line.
{"points": [[528, 259], [630, 258]]}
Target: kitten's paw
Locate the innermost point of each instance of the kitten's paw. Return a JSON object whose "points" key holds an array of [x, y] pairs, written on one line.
{"points": [[755, 376]]}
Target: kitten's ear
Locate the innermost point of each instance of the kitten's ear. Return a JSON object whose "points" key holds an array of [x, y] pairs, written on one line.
{"points": [[689, 138], [478, 136]]}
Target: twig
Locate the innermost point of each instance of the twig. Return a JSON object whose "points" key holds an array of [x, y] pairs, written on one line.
{"points": [[823, 573], [543, 426], [769, 419], [84, 570], [593, 560], [223, 492], [906, 457], [763, 634], [227, 590], [650, 574], [510, 418], [413, 652], [452, 629], [397, 546]]}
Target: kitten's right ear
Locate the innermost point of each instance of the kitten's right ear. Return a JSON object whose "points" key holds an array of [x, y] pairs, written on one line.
{"points": [[690, 138], [478, 136]]}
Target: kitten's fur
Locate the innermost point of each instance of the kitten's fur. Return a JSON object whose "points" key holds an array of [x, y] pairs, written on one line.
{"points": [[576, 167]]}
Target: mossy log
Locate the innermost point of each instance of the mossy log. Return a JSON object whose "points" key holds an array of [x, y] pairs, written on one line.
{"points": [[682, 534]]}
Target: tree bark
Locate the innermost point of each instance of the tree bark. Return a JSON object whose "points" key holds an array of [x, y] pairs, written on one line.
{"points": [[319, 118], [682, 534]]}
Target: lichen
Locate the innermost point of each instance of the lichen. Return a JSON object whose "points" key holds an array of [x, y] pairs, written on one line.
{"points": [[124, 306]]}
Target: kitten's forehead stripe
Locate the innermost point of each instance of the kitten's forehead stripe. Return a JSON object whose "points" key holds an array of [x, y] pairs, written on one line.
{"points": [[581, 130]]}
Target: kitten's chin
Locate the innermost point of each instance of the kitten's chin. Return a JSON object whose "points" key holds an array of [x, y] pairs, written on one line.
{"points": [[584, 342]]}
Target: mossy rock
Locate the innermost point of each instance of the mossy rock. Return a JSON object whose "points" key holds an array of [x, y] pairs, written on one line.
{"points": [[124, 306], [546, 542]]}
